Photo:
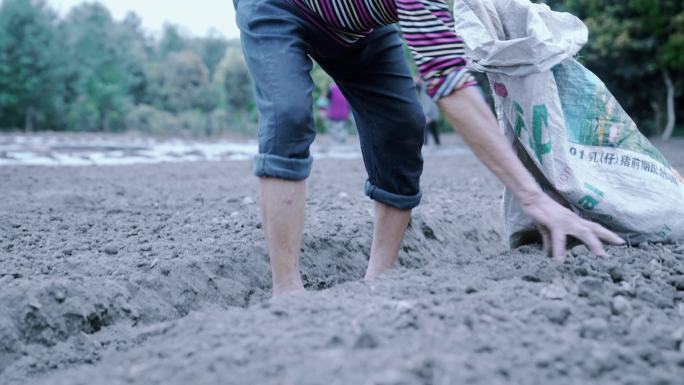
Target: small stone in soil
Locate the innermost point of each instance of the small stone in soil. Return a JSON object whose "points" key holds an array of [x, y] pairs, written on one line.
{"points": [[620, 305], [111, 250]]}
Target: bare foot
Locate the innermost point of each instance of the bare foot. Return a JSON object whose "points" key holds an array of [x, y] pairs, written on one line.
{"points": [[287, 290], [388, 231], [373, 273]]}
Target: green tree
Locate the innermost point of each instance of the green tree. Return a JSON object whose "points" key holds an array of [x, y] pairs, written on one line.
{"points": [[183, 83], [139, 53], [30, 67], [212, 49], [99, 81], [172, 41], [234, 79], [637, 48]]}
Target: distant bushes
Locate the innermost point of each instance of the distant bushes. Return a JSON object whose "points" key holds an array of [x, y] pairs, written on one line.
{"points": [[149, 120], [637, 48], [88, 72]]}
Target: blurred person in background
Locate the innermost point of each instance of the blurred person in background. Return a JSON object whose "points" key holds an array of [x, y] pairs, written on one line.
{"points": [[431, 112], [336, 110]]}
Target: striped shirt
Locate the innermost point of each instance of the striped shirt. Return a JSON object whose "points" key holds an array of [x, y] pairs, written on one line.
{"points": [[426, 25]]}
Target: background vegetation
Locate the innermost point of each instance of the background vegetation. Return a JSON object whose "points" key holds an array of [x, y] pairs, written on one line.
{"points": [[89, 72], [637, 48]]}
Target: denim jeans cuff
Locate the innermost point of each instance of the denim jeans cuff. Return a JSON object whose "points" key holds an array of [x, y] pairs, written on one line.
{"points": [[274, 166], [401, 202]]}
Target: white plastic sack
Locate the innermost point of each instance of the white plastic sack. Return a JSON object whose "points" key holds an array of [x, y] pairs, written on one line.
{"points": [[568, 129]]}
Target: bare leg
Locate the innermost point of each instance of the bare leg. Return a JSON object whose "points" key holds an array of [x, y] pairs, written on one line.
{"points": [[282, 217], [388, 232]]}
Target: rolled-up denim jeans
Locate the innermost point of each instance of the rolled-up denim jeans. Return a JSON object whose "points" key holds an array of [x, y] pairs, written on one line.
{"points": [[279, 44]]}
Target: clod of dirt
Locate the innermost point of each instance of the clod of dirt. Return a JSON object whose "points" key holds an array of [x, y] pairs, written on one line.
{"points": [[366, 340], [554, 291], [678, 282], [556, 313], [593, 328], [620, 305], [111, 250], [616, 274]]}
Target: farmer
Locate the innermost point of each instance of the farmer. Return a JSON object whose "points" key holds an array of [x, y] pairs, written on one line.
{"points": [[431, 112], [356, 43], [337, 114]]}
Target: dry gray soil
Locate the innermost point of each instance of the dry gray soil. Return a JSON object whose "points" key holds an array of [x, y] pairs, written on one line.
{"points": [[156, 274]]}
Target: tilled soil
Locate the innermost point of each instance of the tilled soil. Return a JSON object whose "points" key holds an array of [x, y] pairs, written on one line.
{"points": [[157, 274]]}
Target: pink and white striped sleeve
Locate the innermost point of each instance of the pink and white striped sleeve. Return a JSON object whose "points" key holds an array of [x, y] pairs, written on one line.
{"points": [[428, 29]]}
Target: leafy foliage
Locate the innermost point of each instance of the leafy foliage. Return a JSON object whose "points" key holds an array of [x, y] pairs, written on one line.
{"points": [[89, 72], [632, 44], [30, 65]]}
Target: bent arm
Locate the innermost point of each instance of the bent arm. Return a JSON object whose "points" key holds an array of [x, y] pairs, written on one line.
{"points": [[438, 52], [467, 111]]}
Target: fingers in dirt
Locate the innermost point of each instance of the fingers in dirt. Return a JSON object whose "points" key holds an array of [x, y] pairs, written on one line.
{"points": [[606, 235], [558, 243], [546, 240], [589, 238]]}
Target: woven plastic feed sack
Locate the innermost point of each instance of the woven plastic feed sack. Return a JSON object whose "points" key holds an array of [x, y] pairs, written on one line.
{"points": [[567, 128]]}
